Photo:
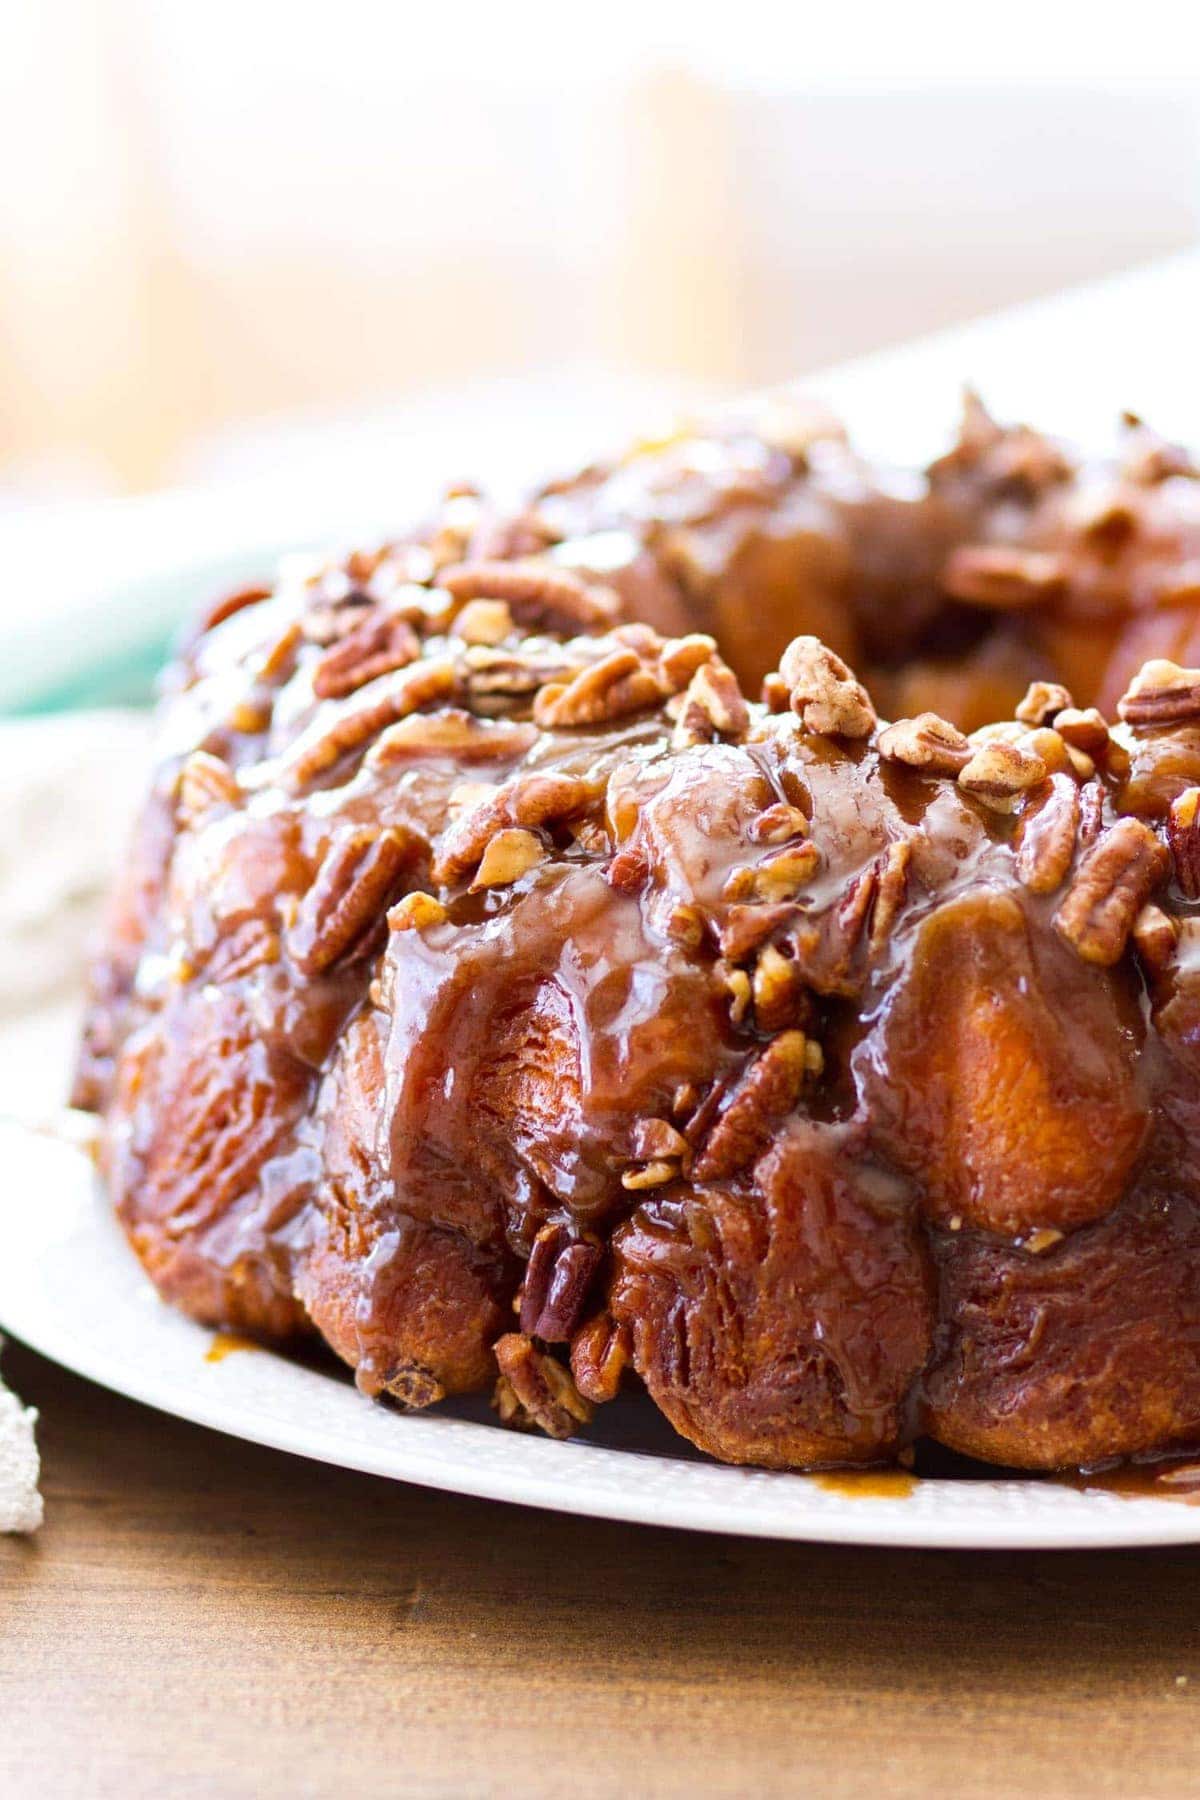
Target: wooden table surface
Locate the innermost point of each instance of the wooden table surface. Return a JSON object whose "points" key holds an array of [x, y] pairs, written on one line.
{"points": [[201, 1617]]}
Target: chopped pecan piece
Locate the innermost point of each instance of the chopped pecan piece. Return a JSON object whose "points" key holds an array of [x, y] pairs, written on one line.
{"points": [[513, 852], [1183, 837], [619, 684], [998, 772], [1091, 813], [628, 871], [1156, 936], [484, 622], [413, 1387], [685, 926], [1046, 834], [205, 782], [1083, 728], [1056, 754], [890, 890], [382, 642], [780, 996], [349, 897], [1161, 693], [1043, 702], [510, 674], [824, 693], [649, 1175], [679, 659], [737, 985], [529, 800], [558, 1275], [657, 1140], [416, 912], [765, 1092], [1113, 882], [228, 604], [778, 824], [600, 1354], [748, 926], [778, 877], [537, 593], [713, 707], [1003, 577], [1149, 458], [927, 742], [535, 1391]]}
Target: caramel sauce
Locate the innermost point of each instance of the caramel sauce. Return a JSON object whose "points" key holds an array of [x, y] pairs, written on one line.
{"points": [[868, 1484], [1177, 1481], [224, 1344]]}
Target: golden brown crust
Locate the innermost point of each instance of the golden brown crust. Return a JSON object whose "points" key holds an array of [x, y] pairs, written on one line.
{"points": [[499, 986]]}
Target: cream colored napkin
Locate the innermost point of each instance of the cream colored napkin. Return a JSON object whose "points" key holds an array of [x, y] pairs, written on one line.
{"points": [[68, 796]]}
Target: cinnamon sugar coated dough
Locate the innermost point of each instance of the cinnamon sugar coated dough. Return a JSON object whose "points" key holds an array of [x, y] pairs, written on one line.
{"points": [[729, 925]]}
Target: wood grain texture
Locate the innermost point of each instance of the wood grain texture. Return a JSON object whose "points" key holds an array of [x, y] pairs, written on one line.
{"points": [[200, 1617]]}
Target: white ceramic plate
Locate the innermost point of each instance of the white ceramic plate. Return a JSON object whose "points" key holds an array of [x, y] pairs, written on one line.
{"points": [[70, 1288]]}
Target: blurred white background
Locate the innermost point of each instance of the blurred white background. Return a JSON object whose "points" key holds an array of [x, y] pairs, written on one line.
{"points": [[216, 214]]}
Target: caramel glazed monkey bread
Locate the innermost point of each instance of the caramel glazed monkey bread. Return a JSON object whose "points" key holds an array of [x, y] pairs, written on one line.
{"points": [[539, 969]]}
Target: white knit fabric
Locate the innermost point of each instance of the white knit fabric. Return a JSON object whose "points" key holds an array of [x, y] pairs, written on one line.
{"points": [[20, 1500]]}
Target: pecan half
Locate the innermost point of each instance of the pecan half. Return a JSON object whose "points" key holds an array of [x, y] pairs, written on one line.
{"points": [[452, 733], [253, 945], [824, 693], [928, 743], [999, 576], [1113, 882], [1161, 693], [349, 897], [537, 593], [600, 1354], [535, 1391], [619, 684], [559, 1273], [382, 642], [1046, 834], [1183, 837], [529, 800], [411, 690], [765, 1092]]}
